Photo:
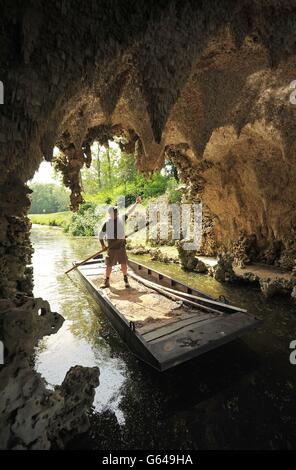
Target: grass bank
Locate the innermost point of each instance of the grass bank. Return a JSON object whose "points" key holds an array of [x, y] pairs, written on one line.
{"points": [[56, 219]]}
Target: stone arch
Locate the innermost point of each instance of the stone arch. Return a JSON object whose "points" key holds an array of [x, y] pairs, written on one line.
{"points": [[194, 74]]}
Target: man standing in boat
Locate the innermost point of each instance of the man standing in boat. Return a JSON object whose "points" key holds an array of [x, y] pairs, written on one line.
{"points": [[113, 230]]}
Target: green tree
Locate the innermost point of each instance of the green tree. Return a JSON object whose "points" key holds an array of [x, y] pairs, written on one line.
{"points": [[101, 172], [107, 153], [120, 167], [126, 169], [48, 198]]}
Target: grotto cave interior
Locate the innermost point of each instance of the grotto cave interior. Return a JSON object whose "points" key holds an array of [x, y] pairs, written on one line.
{"points": [[205, 84]]}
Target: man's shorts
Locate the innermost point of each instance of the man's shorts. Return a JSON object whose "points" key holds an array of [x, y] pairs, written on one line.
{"points": [[116, 255]]}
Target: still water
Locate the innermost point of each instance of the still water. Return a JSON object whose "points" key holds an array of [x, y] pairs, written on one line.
{"points": [[241, 395]]}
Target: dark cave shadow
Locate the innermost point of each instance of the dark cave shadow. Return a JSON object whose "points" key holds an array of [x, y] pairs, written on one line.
{"points": [[180, 391], [203, 377]]}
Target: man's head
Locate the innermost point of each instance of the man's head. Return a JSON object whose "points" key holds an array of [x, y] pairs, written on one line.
{"points": [[113, 212]]}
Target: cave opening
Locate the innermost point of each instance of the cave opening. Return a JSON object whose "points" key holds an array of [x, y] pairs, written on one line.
{"points": [[202, 85]]}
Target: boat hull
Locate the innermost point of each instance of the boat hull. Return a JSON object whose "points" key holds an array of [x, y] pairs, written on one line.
{"points": [[169, 343]]}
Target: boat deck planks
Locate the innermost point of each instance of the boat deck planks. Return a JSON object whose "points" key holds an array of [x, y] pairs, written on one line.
{"points": [[173, 327], [160, 330]]}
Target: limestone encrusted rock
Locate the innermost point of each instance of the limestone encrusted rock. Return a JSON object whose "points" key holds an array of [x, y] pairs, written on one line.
{"points": [[26, 284], [77, 392], [248, 276], [244, 250], [223, 270], [287, 258], [293, 294], [135, 80], [200, 267], [33, 417], [138, 249], [157, 255], [272, 254], [23, 325], [209, 243], [15, 245], [271, 287], [188, 260], [69, 163], [191, 189]]}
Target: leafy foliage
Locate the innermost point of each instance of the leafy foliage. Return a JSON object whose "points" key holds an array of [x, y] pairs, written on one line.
{"points": [[84, 222], [125, 179], [173, 195], [112, 174], [48, 198]]}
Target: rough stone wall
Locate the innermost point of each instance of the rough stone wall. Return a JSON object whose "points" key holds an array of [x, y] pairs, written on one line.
{"points": [[191, 188], [31, 417], [213, 76], [209, 77], [15, 246]]}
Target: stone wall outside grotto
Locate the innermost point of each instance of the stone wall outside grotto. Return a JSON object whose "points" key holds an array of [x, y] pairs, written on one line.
{"points": [[208, 77]]}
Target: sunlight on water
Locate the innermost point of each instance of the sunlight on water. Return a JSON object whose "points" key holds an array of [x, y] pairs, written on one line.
{"points": [[79, 341]]}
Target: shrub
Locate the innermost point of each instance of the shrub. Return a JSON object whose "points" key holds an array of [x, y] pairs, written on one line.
{"points": [[85, 221], [173, 195]]}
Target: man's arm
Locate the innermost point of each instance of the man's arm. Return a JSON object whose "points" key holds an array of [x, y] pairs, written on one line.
{"points": [[131, 209], [102, 235]]}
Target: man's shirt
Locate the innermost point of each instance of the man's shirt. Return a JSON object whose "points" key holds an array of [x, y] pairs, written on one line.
{"points": [[113, 231]]}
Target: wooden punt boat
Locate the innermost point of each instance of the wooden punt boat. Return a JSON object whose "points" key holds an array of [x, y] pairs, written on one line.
{"points": [[163, 321]]}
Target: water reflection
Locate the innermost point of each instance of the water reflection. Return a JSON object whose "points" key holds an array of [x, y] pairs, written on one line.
{"points": [[82, 338], [241, 395]]}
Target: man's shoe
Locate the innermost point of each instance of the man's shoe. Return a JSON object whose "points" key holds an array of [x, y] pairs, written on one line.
{"points": [[126, 283], [105, 284]]}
